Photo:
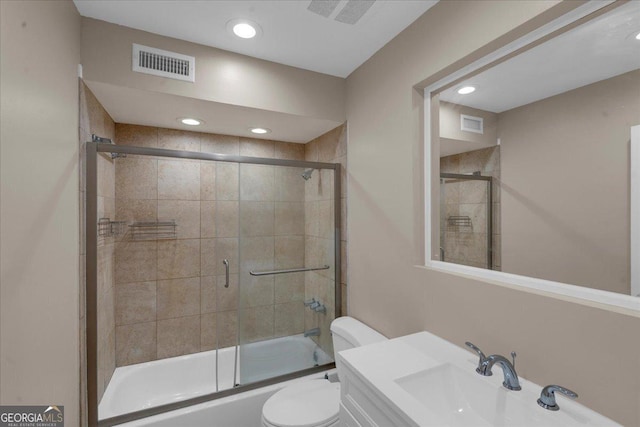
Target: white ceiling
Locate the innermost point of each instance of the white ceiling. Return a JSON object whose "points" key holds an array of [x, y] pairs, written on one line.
{"points": [[602, 48], [291, 34]]}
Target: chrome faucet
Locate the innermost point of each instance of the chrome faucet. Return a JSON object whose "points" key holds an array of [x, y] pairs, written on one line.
{"points": [[485, 364], [548, 398], [315, 332], [510, 376]]}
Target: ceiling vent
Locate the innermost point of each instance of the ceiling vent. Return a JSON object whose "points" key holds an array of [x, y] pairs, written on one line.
{"points": [[471, 124], [163, 63], [350, 13]]}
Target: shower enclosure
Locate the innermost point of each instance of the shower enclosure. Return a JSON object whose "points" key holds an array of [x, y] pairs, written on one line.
{"points": [[466, 219], [224, 273]]}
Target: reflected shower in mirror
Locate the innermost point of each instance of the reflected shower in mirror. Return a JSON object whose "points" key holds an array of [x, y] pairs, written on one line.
{"points": [[535, 162]]}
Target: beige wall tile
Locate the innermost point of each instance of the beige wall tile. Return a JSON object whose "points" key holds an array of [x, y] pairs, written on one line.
{"points": [[227, 248], [226, 217], [106, 176], [208, 180], [208, 329], [257, 147], [135, 343], [136, 178], [257, 182], [140, 136], [256, 290], [207, 219], [289, 151], [220, 144], [172, 139], [135, 303], [311, 219], [257, 253], [178, 297], [289, 287], [328, 145], [208, 296], [178, 258], [227, 324], [186, 213], [131, 210], [326, 219], [289, 218], [227, 181], [289, 184], [208, 257], [135, 261], [256, 323], [288, 319], [256, 218], [179, 336], [311, 151], [289, 252], [178, 180]]}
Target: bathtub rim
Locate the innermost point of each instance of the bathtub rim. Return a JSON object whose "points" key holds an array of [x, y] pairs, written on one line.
{"points": [[156, 410]]}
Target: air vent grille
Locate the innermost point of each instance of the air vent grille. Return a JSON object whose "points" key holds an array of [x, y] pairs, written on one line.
{"points": [[163, 63], [471, 124]]}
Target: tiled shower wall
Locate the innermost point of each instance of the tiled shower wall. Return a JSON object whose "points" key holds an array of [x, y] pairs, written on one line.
{"points": [[468, 244], [319, 231], [95, 120], [170, 298]]}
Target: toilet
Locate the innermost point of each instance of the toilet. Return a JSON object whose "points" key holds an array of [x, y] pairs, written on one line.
{"points": [[316, 403]]}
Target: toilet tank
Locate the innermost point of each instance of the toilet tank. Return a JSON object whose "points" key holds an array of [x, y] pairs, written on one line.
{"points": [[347, 333]]}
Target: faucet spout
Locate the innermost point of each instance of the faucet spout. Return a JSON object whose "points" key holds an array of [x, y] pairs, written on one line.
{"points": [[315, 332], [511, 380]]}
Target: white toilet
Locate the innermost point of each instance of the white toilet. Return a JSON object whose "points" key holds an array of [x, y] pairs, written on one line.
{"points": [[316, 403]]}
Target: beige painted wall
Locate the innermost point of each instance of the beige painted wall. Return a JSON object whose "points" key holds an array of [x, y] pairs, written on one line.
{"points": [[39, 310], [454, 140], [221, 76], [565, 184], [557, 341]]}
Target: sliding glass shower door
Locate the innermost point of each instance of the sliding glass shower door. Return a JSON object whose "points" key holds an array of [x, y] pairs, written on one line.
{"points": [[286, 223]]}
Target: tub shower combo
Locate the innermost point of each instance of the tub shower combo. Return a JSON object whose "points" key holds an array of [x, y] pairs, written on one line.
{"points": [[218, 288]]}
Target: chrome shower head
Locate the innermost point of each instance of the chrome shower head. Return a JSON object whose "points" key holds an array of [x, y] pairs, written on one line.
{"points": [[307, 174]]}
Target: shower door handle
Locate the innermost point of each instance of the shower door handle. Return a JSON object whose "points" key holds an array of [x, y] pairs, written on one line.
{"points": [[226, 272]]}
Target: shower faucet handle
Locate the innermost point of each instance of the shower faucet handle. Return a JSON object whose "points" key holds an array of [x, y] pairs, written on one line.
{"points": [[310, 302]]}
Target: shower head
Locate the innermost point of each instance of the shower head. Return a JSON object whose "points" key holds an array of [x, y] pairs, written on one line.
{"points": [[307, 174]]}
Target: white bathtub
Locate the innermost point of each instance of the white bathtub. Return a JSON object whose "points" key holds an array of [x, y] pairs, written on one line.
{"points": [[149, 384]]}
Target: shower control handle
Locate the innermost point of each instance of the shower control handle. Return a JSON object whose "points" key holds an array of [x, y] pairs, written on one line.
{"points": [[226, 272]]}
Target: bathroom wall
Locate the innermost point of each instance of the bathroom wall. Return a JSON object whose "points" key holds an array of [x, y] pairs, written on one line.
{"points": [[170, 295], [95, 120], [566, 184], [39, 271], [222, 76], [557, 340], [467, 244], [319, 232]]}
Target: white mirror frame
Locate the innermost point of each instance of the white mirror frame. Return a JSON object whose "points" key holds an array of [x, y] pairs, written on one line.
{"points": [[588, 296]]}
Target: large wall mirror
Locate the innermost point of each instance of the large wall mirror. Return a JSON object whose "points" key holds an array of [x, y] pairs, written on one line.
{"points": [[534, 156]]}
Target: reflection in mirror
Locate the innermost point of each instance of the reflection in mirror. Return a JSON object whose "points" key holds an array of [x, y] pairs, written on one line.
{"points": [[535, 164]]}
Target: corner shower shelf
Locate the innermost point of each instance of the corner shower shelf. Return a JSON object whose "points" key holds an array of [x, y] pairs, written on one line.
{"points": [[153, 230], [459, 221]]}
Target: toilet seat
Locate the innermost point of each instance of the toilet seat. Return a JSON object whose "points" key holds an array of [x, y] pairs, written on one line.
{"points": [[314, 403]]}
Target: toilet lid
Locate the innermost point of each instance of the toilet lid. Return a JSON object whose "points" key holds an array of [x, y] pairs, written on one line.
{"points": [[309, 403]]}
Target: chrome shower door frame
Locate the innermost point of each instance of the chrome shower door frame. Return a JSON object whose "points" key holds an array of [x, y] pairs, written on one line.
{"points": [[91, 232]]}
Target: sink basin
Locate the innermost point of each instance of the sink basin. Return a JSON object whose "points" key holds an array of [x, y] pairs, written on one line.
{"points": [[455, 397]]}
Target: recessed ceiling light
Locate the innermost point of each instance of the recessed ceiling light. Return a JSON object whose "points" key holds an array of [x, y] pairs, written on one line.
{"points": [[260, 131], [244, 28], [638, 36], [190, 121], [465, 90]]}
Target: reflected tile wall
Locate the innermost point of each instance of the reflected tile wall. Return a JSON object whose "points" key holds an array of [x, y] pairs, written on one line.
{"points": [[467, 245], [170, 297]]}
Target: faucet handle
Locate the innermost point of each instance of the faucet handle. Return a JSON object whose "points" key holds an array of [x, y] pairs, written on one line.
{"points": [[307, 303], [513, 359], [548, 398], [480, 369]]}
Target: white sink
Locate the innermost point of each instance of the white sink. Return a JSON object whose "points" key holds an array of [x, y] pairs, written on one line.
{"points": [[422, 380]]}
